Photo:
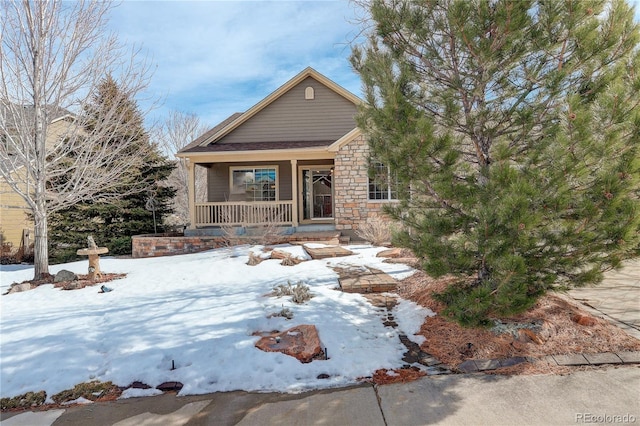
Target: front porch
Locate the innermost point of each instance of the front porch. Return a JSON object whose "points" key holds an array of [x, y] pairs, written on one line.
{"points": [[244, 213], [254, 190]]}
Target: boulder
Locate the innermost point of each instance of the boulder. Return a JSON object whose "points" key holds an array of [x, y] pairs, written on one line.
{"points": [[301, 342], [392, 253], [65, 275]]}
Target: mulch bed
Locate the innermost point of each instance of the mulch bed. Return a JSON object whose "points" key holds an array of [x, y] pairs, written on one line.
{"points": [[398, 375], [83, 281], [562, 327]]}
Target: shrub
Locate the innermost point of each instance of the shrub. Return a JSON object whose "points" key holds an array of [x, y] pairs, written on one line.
{"points": [[90, 390], [299, 293], [27, 400], [284, 313], [254, 259], [376, 230]]}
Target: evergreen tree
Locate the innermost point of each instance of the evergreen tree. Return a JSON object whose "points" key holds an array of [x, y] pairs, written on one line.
{"points": [[113, 224], [514, 129]]}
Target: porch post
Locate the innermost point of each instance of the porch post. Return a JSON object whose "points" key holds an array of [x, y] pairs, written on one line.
{"points": [[191, 168], [294, 192]]}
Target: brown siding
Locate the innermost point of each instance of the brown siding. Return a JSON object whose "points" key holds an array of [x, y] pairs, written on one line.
{"points": [[13, 215], [218, 180], [14, 211], [292, 118]]}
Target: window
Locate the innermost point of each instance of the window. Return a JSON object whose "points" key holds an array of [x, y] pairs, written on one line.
{"points": [[309, 93], [257, 184], [383, 184]]}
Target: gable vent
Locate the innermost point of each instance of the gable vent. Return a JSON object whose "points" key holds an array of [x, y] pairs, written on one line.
{"points": [[309, 93]]}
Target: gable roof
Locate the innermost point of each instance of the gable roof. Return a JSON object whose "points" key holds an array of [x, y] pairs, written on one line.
{"points": [[211, 132], [15, 114], [236, 120]]}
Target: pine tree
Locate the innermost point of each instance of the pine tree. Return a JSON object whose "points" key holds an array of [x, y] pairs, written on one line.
{"points": [[113, 224], [514, 129]]}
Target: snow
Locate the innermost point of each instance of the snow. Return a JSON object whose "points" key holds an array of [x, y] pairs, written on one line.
{"points": [[198, 313], [81, 400]]}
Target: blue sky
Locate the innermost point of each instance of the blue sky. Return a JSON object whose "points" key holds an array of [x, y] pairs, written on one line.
{"points": [[214, 58]]}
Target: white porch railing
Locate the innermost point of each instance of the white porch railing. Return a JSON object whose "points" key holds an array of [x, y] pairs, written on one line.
{"points": [[244, 213]]}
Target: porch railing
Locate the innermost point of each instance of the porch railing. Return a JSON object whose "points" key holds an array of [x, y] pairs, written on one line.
{"points": [[244, 213]]}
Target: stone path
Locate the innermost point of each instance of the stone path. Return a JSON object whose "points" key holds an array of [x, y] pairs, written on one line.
{"points": [[327, 252], [363, 279]]}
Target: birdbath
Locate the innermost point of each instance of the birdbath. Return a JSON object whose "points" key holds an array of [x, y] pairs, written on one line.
{"points": [[94, 252]]}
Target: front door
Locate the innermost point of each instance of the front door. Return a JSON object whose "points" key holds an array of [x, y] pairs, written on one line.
{"points": [[317, 193]]}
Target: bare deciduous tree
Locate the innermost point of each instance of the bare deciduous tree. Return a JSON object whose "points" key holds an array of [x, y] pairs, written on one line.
{"points": [[53, 55], [176, 131]]}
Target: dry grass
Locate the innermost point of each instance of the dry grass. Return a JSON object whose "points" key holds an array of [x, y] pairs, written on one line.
{"points": [[559, 333], [376, 230]]}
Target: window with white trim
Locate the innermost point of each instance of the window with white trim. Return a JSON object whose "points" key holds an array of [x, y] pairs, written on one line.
{"points": [[256, 183], [383, 183]]}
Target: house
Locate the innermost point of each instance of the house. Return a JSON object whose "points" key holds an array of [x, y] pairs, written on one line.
{"points": [[16, 227], [296, 159]]}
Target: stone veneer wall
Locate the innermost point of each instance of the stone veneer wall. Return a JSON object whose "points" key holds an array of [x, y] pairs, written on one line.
{"points": [[155, 245], [351, 177]]}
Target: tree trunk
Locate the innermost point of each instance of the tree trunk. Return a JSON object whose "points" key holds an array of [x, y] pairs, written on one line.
{"points": [[40, 247]]}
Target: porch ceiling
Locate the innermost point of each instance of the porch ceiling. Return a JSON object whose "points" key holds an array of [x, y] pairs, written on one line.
{"points": [[310, 153]]}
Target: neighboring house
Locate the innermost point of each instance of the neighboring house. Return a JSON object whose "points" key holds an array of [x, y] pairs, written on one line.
{"points": [[296, 158], [16, 228]]}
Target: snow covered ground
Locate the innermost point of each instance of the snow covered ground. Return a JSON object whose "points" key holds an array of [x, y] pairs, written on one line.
{"points": [[198, 312]]}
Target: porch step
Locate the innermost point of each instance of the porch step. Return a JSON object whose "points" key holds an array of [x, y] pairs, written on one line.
{"points": [[323, 237]]}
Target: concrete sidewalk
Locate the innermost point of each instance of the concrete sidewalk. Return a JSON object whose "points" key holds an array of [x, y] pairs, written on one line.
{"points": [[617, 298], [582, 397]]}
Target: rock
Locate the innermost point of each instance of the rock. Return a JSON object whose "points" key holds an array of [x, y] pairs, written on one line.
{"points": [[391, 253], [409, 261], [547, 330], [585, 320], [301, 342], [65, 275], [169, 386], [17, 288], [525, 335], [72, 285]]}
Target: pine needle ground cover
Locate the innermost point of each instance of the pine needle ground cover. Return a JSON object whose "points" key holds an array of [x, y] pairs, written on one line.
{"points": [[557, 320]]}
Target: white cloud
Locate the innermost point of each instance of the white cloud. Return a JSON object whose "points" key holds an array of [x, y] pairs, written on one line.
{"points": [[216, 58]]}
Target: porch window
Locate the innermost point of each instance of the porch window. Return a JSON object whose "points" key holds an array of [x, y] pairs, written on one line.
{"points": [[256, 183], [383, 183]]}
